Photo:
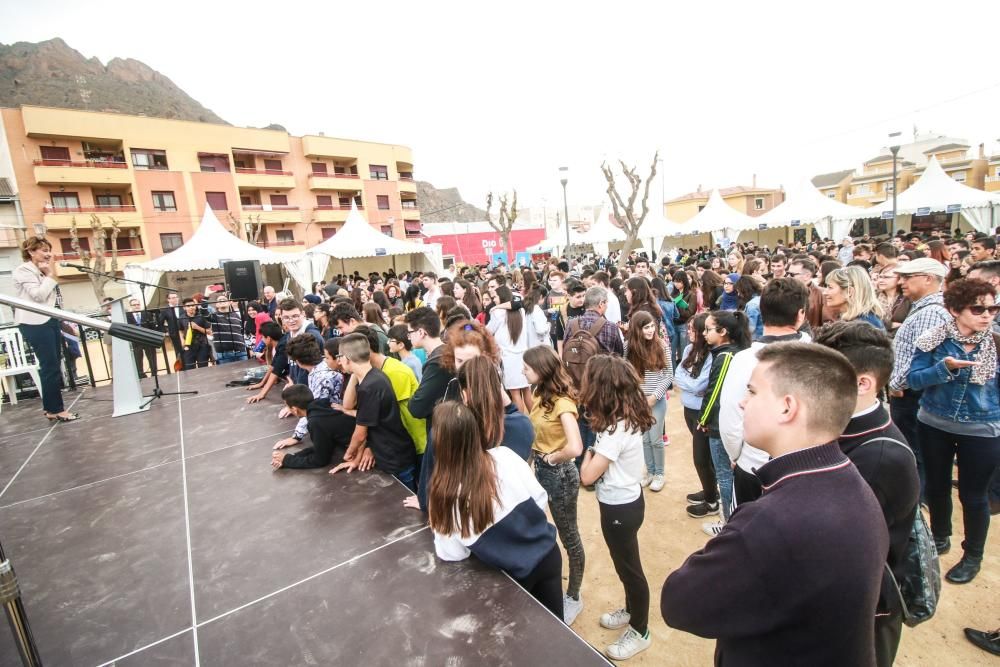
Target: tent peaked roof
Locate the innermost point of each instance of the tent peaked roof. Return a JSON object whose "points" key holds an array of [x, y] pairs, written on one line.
{"points": [[718, 215], [806, 205], [603, 230], [210, 244], [356, 238], [935, 191]]}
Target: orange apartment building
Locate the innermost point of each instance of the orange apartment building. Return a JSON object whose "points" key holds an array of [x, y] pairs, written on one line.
{"points": [[155, 176], [748, 199]]}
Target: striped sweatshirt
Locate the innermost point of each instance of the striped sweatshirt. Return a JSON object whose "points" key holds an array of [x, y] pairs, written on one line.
{"points": [[655, 383], [520, 536], [722, 356]]}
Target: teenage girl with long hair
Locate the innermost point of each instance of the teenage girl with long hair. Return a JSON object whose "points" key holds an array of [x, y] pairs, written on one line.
{"points": [[649, 354], [412, 299], [726, 332], [557, 444], [619, 415], [691, 377], [508, 327], [469, 296], [485, 501]]}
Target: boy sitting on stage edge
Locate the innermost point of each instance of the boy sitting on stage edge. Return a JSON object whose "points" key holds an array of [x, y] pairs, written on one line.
{"points": [[330, 431]]}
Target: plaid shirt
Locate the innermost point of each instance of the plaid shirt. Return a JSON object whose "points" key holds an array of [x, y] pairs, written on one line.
{"points": [[325, 384], [608, 337], [926, 313]]}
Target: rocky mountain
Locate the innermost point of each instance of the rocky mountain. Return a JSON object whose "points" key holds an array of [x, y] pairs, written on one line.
{"points": [[445, 205], [52, 74]]}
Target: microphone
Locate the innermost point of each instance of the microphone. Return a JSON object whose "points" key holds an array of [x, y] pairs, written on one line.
{"points": [[78, 267]]}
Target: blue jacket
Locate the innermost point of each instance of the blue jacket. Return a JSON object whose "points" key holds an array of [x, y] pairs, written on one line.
{"points": [[669, 317], [692, 388], [949, 394], [752, 311]]}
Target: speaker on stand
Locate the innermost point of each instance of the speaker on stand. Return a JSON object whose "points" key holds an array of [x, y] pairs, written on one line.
{"points": [[243, 279]]}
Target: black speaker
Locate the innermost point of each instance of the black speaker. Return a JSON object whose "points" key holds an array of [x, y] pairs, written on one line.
{"points": [[243, 280]]}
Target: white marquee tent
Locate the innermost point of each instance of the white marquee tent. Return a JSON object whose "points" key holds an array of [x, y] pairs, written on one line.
{"points": [[805, 205], [208, 247], [718, 219], [356, 239], [936, 192]]}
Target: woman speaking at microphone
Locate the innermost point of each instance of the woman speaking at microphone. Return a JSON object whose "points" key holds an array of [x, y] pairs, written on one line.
{"points": [[34, 281]]}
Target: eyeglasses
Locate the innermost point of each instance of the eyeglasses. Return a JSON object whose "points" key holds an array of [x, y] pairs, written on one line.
{"points": [[707, 329], [907, 276], [727, 283], [979, 310]]}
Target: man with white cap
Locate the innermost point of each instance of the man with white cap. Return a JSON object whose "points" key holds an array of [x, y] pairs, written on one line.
{"points": [[846, 254], [920, 281]]}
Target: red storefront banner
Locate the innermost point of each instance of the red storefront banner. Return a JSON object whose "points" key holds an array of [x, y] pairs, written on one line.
{"points": [[478, 247]]}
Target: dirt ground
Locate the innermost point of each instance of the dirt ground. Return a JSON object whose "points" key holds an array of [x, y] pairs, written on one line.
{"points": [[669, 536]]}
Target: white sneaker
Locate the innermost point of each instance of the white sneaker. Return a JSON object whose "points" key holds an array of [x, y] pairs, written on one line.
{"points": [[712, 529], [657, 483], [613, 620], [630, 643], [571, 609], [647, 479]]}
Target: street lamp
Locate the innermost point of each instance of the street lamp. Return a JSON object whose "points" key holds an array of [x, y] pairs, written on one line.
{"points": [[564, 178], [894, 148]]}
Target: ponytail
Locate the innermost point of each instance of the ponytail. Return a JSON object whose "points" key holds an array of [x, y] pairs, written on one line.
{"points": [[737, 327]]}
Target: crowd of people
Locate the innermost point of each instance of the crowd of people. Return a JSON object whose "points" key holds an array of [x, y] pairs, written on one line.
{"points": [[829, 390]]}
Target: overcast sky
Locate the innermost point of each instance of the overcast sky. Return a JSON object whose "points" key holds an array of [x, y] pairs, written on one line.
{"points": [[501, 95]]}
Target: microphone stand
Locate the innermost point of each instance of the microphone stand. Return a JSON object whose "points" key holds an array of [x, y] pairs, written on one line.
{"points": [[10, 598], [157, 391]]}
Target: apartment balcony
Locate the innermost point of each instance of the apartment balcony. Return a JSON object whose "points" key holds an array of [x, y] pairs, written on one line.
{"points": [[411, 213], [273, 215], [264, 178], [62, 218], [407, 185], [125, 256], [318, 181], [332, 213], [89, 172], [281, 246], [992, 183]]}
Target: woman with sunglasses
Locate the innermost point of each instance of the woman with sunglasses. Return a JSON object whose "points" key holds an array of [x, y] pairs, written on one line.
{"points": [[956, 367]]}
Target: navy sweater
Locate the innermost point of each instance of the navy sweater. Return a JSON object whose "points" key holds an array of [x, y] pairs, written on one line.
{"points": [[794, 577]]}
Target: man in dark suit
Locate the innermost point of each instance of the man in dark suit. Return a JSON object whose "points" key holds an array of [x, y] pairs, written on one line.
{"points": [[170, 317], [146, 320]]}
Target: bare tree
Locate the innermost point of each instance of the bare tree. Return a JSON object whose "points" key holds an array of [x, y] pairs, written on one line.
{"points": [[251, 229], [504, 223], [96, 259], [625, 210]]}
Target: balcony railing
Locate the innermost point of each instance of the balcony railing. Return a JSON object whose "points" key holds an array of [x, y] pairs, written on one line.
{"points": [[335, 174], [334, 207], [271, 244], [88, 209], [408, 206], [405, 178], [269, 207], [97, 164], [993, 179], [266, 172], [122, 252]]}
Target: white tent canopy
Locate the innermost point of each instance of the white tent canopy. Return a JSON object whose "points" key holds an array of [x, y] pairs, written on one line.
{"points": [[357, 239], [720, 219], [208, 247], [805, 205], [936, 192]]}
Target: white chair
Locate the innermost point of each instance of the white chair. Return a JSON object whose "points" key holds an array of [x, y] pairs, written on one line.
{"points": [[17, 363]]}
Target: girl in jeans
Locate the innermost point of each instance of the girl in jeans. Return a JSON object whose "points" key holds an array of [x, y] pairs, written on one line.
{"points": [[557, 444], [619, 415], [956, 367], [726, 332], [692, 379], [649, 355]]}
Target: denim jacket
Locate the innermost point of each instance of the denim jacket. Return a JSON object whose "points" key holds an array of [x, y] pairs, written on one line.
{"points": [[949, 394]]}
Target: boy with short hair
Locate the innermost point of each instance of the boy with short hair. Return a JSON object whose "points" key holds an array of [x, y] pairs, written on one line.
{"points": [[329, 430], [400, 345], [379, 437], [326, 384], [802, 565]]}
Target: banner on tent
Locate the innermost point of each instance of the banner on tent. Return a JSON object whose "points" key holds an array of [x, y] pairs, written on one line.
{"points": [[887, 215], [380, 252], [761, 226], [924, 210], [795, 223], [953, 208]]}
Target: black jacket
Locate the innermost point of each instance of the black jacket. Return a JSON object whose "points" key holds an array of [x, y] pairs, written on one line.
{"points": [[722, 356], [433, 383], [330, 432], [891, 471], [794, 577]]}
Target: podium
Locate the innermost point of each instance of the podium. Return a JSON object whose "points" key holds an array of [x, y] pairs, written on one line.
{"points": [[127, 392]]}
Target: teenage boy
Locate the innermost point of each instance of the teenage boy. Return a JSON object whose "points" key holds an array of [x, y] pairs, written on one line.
{"points": [[424, 329], [571, 309], [804, 270], [400, 345], [379, 436], [345, 319], [782, 309], [272, 335], [883, 458], [329, 431], [983, 249], [431, 290], [194, 330], [227, 332], [802, 565], [325, 384]]}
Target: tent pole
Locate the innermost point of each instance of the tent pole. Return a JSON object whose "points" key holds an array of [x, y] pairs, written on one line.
{"points": [[342, 269]]}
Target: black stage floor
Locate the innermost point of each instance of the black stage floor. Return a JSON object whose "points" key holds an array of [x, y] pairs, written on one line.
{"points": [[163, 538]]}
